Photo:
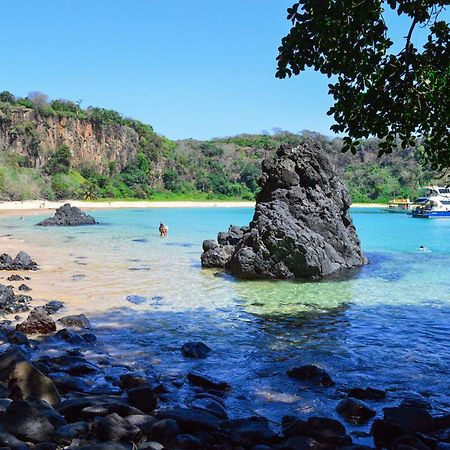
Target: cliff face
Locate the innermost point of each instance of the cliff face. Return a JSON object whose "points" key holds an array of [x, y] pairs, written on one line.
{"points": [[36, 137]]}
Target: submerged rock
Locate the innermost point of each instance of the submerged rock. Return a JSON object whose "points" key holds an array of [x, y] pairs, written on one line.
{"points": [[355, 411], [301, 227], [312, 374], [68, 216], [197, 350]]}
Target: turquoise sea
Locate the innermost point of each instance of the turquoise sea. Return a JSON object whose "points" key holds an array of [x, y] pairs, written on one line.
{"points": [[386, 326]]}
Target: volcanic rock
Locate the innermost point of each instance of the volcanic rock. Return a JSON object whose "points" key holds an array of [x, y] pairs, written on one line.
{"points": [[68, 216], [22, 261], [22, 377], [11, 303], [301, 227], [312, 374], [76, 321], [37, 322], [355, 411], [197, 350]]}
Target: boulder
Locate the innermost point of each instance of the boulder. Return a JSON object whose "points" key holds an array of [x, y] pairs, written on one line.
{"points": [[327, 431], [312, 374], [207, 382], [10, 441], [355, 411], [11, 303], [367, 394], [116, 428], [75, 321], [22, 377], [37, 322], [196, 350], [52, 307], [27, 423], [22, 261], [143, 398], [190, 419], [248, 432], [301, 227], [68, 216], [164, 430]]}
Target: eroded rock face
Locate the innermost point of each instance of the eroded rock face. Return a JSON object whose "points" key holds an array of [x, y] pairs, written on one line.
{"points": [[301, 227], [68, 216]]}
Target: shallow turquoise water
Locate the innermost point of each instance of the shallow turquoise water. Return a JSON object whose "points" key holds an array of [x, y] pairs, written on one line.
{"points": [[386, 326]]}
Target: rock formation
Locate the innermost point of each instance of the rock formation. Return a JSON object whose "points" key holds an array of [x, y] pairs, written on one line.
{"points": [[301, 227], [68, 216], [22, 261]]}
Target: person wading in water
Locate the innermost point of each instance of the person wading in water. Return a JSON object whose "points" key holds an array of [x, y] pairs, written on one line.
{"points": [[163, 229]]}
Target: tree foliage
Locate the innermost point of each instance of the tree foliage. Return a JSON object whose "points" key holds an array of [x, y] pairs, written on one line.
{"points": [[396, 97], [60, 161]]}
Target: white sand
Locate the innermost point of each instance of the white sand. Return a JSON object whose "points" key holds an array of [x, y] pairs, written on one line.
{"points": [[32, 207]]}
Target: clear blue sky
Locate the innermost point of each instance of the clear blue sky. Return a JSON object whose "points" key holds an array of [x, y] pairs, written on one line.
{"points": [[198, 68]]}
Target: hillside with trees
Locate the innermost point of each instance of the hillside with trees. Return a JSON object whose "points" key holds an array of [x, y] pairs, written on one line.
{"points": [[56, 150]]}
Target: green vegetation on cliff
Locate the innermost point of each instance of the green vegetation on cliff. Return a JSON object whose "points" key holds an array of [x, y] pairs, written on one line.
{"points": [[36, 164]]}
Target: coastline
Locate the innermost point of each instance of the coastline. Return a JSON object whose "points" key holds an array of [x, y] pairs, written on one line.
{"points": [[34, 207]]}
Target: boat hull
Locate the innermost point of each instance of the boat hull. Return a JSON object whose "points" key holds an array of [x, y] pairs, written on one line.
{"points": [[430, 214]]}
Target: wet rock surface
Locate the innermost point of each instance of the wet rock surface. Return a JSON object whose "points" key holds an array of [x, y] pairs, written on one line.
{"points": [[68, 216], [11, 302], [37, 322], [301, 227], [22, 261], [65, 391]]}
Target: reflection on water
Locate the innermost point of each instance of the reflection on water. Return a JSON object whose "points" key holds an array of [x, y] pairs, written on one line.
{"points": [[385, 326]]}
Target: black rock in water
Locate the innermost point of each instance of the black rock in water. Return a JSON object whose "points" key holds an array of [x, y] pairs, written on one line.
{"points": [[68, 216], [301, 227], [22, 261]]}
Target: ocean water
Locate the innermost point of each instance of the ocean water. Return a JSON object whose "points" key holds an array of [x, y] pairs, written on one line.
{"points": [[386, 326]]}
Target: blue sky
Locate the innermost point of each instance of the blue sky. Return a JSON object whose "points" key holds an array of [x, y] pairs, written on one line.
{"points": [[192, 69]]}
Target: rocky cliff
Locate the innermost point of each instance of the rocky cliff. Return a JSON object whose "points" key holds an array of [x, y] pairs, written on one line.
{"points": [[36, 136], [301, 227]]}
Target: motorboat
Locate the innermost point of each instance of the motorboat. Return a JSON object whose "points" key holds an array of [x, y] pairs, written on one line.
{"points": [[435, 207], [399, 205]]}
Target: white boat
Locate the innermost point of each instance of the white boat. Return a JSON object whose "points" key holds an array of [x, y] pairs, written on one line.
{"points": [[429, 192], [435, 207]]}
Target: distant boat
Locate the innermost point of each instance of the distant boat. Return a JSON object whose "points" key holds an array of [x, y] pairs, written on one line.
{"points": [[435, 207], [399, 205]]}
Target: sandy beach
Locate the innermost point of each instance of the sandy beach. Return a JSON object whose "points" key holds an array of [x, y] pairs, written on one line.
{"points": [[34, 207]]}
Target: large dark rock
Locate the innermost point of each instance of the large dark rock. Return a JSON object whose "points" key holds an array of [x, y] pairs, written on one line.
{"points": [[68, 216], [312, 374], [22, 377], [27, 423], [248, 432], [22, 261], [37, 322], [197, 350], [207, 382], [143, 398], [75, 321], [190, 419], [115, 428], [301, 227], [355, 411], [11, 303]]}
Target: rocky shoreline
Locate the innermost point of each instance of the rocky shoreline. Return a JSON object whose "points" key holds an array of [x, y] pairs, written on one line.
{"points": [[60, 389]]}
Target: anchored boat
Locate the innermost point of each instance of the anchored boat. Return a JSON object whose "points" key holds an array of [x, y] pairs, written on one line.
{"points": [[435, 207], [399, 205]]}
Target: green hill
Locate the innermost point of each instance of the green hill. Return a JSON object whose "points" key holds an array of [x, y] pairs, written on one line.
{"points": [[55, 150]]}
